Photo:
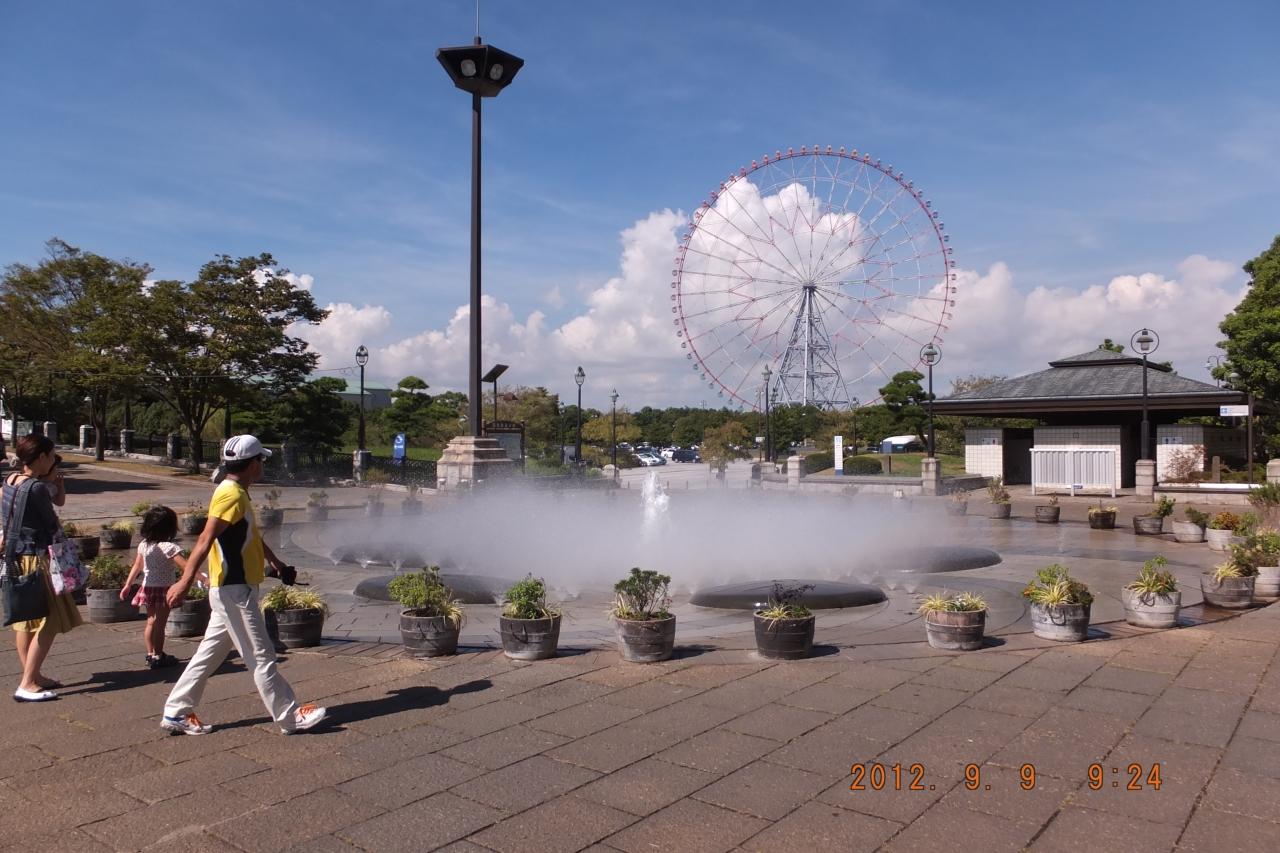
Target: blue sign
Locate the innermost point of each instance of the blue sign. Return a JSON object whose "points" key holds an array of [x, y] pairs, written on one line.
{"points": [[398, 446]]}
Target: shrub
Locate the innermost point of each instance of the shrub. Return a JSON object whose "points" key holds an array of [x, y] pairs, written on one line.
{"points": [[784, 602], [1259, 548], [862, 466], [1054, 586], [122, 526], [815, 462], [641, 596], [426, 595], [1099, 509], [1154, 578], [1265, 496], [292, 598], [140, 508], [527, 599], [944, 602], [1231, 569], [107, 571], [1224, 521], [996, 492], [1163, 507], [1185, 465]]}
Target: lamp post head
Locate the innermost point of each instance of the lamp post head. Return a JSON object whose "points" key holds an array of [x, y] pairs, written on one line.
{"points": [[580, 376], [362, 355], [614, 397], [1145, 341], [766, 373], [930, 354], [479, 69]]}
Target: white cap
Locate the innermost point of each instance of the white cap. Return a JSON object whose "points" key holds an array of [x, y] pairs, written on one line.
{"points": [[241, 447]]}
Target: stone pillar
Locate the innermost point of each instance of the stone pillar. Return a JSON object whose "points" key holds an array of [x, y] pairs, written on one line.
{"points": [[50, 429], [795, 467], [1273, 471], [360, 461], [289, 457], [468, 460], [126, 441], [1144, 479], [84, 436], [171, 448], [609, 473], [930, 477]]}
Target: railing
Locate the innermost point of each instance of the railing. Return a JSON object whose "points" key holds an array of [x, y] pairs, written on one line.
{"points": [[402, 472], [1073, 468]]}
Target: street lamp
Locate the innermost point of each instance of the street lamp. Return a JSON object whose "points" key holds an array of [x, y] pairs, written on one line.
{"points": [[1146, 342], [492, 376], [1210, 364], [613, 435], [362, 358], [853, 411], [483, 71], [1234, 379], [768, 437], [930, 355], [579, 377]]}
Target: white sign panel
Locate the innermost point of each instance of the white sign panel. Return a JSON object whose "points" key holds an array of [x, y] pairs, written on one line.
{"points": [[839, 454], [1233, 411]]}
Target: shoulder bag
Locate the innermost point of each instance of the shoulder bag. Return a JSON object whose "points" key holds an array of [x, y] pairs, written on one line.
{"points": [[25, 596]]}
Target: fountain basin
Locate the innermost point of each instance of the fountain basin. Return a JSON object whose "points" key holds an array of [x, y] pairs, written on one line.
{"points": [[469, 589]]}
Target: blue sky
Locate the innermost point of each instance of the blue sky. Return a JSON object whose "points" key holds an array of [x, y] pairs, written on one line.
{"points": [[1068, 147]]}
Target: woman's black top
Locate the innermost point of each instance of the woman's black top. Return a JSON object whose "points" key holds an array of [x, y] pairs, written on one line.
{"points": [[38, 524]]}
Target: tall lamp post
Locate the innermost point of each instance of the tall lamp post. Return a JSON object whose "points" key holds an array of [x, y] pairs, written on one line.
{"points": [[930, 355], [1210, 364], [768, 437], [1146, 342], [483, 71], [1234, 378], [362, 358], [853, 412], [613, 435], [580, 376]]}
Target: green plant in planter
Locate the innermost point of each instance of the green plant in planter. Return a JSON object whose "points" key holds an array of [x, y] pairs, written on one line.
{"points": [[1163, 508], [1100, 509], [527, 599], [70, 530], [107, 571], [140, 508], [424, 593], [960, 498], [1195, 516], [784, 602], [642, 596], [1224, 521], [1054, 586], [996, 492], [196, 509], [945, 602], [293, 598], [1231, 569], [1248, 524], [318, 499], [122, 526], [270, 499], [196, 592], [1259, 548], [1154, 578], [1265, 497]]}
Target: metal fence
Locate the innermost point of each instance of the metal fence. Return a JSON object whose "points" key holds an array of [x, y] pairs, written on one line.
{"points": [[1073, 468], [403, 472]]}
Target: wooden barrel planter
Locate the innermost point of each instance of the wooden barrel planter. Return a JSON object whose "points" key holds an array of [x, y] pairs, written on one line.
{"points": [[999, 510], [1228, 593], [117, 539], [1266, 586], [956, 631], [191, 525], [269, 517], [317, 513], [411, 508], [295, 629], [372, 510], [188, 619], [784, 639], [646, 641], [1065, 623], [1104, 520], [1218, 539], [87, 546], [529, 639], [1187, 532], [1048, 514], [428, 636], [1148, 525], [1151, 609], [105, 606], [955, 508]]}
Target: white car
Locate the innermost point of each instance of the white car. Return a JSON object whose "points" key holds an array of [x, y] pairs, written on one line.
{"points": [[650, 459]]}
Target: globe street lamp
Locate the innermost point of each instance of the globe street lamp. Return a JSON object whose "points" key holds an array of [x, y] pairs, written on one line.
{"points": [[768, 437], [579, 377], [853, 411], [1210, 364], [483, 71], [362, 358], [1146, 342], [613, 435], [930, 355]]}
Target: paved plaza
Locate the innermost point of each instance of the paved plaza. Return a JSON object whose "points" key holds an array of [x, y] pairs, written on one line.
{"points": [[714, 750]]}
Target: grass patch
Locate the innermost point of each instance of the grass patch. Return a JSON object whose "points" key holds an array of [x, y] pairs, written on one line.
{"points": [[908, 464]]}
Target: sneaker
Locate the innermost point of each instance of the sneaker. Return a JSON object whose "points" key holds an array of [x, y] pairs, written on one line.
{"points": [[152, 661], [306, 717], [185, 725]]}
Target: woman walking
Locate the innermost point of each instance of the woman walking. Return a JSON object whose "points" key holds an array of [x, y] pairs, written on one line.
{"points": [[28, 539]]}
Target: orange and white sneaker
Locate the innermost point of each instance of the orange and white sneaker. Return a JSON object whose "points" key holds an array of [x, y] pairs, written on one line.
{"points": [[305, 717], [188, 724]]}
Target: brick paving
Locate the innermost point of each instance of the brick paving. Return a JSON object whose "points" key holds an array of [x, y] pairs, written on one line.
{"points": [[715, 750]]}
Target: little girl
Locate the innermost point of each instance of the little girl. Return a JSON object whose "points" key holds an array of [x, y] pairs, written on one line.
{"points": [[160, 560]]}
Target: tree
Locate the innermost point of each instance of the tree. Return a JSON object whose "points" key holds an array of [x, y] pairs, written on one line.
{"points": [[599, 430], [792, 424], [204, 341], [1252, 334], [72, 316], [903, 396], [314, 415], [724, 443], [1111, 346], [410, 409]]}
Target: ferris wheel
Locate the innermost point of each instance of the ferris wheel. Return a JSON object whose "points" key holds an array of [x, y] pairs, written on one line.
{"points": [[825, 266]]}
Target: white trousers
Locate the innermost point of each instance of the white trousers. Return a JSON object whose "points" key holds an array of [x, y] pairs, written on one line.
{"points": [[236, 620]]}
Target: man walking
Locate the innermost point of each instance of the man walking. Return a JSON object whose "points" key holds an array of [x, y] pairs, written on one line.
{"points": [[237, 558]]}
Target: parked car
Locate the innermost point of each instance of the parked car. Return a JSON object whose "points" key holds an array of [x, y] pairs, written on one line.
{"points": [[682, 455], [650, 459]]}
